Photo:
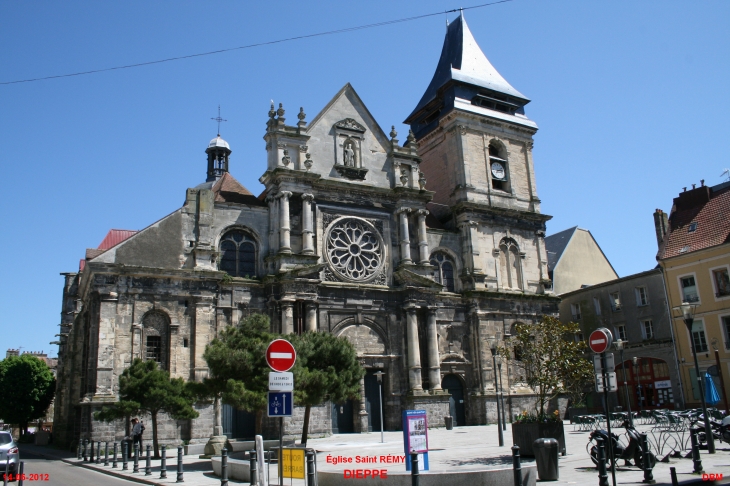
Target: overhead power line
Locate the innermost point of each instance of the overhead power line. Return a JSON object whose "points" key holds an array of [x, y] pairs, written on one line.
{"points": [[258, 44]]}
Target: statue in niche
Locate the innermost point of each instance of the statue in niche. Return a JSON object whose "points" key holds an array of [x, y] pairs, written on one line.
{"points": [[348, 154]]}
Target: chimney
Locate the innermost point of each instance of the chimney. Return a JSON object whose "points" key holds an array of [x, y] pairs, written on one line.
{"points": [[661, 225]]}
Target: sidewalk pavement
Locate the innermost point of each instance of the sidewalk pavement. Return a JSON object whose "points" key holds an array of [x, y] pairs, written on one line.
{"points": [[461, 449]]}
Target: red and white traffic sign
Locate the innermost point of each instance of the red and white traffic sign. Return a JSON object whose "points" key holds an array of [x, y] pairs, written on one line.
{"points": [[280, 355], [600, 340]]}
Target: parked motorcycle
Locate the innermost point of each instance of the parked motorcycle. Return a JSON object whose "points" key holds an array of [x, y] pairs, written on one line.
{"points": [[632, 451]]}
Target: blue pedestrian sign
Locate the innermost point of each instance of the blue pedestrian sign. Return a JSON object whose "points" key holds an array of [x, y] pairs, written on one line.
{"points": [[280, 404]]}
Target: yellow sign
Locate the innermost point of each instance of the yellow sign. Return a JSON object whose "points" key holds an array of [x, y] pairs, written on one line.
{"points": [[293, 463]]}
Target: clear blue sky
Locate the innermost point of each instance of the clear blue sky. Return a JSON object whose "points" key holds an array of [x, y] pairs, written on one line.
{"points": [[631, 98]]}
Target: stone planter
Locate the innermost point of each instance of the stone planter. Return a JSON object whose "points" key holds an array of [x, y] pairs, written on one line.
{"points": [[524, 435]]}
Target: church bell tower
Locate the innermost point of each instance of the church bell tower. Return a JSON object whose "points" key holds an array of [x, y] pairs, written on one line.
{"points": [[218, 152]]}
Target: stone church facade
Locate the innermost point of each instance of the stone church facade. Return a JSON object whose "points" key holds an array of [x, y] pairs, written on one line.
{"points": [[419, 253]]}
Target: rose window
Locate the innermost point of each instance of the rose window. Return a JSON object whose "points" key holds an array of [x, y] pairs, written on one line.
{"points": [[354, 249]]}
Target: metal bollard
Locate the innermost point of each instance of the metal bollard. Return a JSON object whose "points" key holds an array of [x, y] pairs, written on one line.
{"points": [[695, 452], [311, 473], [125, 453], [163, 462], [516, 465], [253, 473], [673, 474], [106, 453], [7, 468], [179, 465], [98, 452], [602, 472], [79, 450], [648, 475], [135, 467], [114, 457], [224, 467], [148, 463], [20, 474], [414, 469], [91, 451]]}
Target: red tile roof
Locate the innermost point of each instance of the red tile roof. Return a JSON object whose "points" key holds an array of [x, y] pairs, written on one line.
{"points": [[228, 189], [114, 237], [709, 207]]}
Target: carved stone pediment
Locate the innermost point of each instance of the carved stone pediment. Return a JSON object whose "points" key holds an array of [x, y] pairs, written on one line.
{"points": [[350, 124]]}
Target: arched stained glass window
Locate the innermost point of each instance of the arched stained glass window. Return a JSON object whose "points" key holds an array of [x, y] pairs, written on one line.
{"points": [[443, 272], [238, 254]]}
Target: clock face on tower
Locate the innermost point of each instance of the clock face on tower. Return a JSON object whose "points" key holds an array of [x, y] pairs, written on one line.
{"points": [[498, 170]]}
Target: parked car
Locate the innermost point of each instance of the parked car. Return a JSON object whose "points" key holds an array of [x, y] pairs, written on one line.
{"points": [[9, 454]]}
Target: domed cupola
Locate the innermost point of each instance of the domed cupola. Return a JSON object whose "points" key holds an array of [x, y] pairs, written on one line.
{"points": [[218, 152]]}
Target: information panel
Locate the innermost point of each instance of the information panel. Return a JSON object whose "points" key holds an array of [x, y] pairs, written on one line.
{"points": [[415, 437], [292, 461]]}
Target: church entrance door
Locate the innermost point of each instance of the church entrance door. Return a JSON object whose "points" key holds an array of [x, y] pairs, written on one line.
{"points": [[452, 384], [342, 420], [372, 401]]}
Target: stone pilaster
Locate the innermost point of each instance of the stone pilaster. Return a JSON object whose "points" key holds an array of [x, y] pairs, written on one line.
{"points": [[362, 413], [469, 246], [284, 224], [414, 350], [106, 351], [287, 317], [273, 217], [311, 316], [434, 363], [405, 242], [308, 225], [422, 239], [204, 332]]}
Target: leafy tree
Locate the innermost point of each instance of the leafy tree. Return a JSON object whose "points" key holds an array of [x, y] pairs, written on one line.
{"points": [[29, 386], [326, 368], [552, 361], [144, 388], [237, 362]]}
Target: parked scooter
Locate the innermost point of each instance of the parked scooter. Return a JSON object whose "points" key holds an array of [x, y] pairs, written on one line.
{"points": [[630, 452]]}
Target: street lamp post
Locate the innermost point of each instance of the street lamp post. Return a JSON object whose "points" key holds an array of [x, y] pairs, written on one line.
{"points": [[620, 343], [688, 311], [501, 394], [493, 346], [637, 372], [379, 375]]}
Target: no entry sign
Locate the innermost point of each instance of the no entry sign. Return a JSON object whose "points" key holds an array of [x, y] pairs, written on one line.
{"points": [[280, 355], [600, 340]]}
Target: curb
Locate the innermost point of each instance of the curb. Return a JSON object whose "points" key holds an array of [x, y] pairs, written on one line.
{"points": [[103, 471]]}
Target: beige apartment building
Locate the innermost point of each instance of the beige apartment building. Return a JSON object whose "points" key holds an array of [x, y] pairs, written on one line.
{"points": [[694, 253]]}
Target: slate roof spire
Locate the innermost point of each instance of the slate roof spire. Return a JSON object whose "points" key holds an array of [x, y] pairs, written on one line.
{"points": [[463, 64]]}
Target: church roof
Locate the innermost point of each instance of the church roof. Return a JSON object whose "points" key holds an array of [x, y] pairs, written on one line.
{"points": [[228, 189], [462, 60]]}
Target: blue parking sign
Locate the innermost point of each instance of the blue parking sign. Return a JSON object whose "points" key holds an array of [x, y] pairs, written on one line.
{"points": [[280, 404]]}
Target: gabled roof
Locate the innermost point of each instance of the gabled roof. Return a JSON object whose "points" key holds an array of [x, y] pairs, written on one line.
{"points": [[463, 61], [709, 207], [555, 245], [228, 189]]}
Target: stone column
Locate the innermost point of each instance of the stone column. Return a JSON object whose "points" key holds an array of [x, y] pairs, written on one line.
{"points": [[422, 239], [287, 317], [308, 225], [284, 225], [362, 414], [273, 210], [414, 350], [311, 316], [405, 242], [434, 363]]}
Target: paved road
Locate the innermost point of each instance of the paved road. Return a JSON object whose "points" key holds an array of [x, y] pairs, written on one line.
{"points": [[62, 474]]}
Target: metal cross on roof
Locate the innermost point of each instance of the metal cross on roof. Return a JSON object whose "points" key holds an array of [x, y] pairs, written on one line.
{"points": [[219, 120]]}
